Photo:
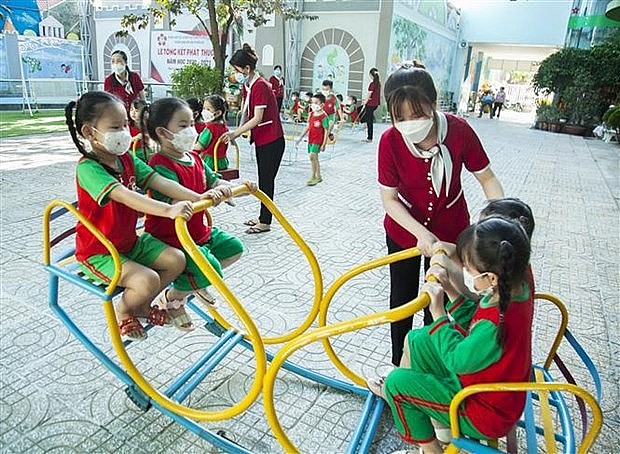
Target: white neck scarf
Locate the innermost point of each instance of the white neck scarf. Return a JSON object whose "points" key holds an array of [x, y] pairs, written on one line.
{"points": [[441, 160]]}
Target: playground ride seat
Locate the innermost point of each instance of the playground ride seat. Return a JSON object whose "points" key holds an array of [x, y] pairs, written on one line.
{"points": [[543, 390], [231, 173]]}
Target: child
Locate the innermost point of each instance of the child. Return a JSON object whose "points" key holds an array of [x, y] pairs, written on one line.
{"points": [[350, 110], [215, 127], [332, 105], [317, 127], [304, 105], [488, 341], [107, 179], [196, 105], [169, 122], [293, 111], [139, 146]]}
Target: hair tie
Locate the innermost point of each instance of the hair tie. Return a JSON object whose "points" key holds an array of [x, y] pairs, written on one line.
{"points": [[501, 317]]}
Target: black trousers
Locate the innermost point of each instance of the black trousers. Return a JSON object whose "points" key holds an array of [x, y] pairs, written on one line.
{"points": [[279, 101], [369, 118], [268, 158], [497, 106], [404, 286]]}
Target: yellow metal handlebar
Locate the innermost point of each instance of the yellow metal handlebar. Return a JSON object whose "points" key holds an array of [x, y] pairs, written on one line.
{"points": [[589, 437], [112, 322], [217, 144], [189, 245], [561, 329]]}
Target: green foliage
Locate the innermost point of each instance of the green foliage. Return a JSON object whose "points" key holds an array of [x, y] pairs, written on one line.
{"points": [[612, 117], [196, 80], [583, 80]]}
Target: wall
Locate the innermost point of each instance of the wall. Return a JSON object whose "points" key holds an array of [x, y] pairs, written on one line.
{"points": [[516, 22]]}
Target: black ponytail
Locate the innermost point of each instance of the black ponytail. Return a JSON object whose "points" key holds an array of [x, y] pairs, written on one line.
{"points": [[144, 116], [505, 256], [88, 109]]}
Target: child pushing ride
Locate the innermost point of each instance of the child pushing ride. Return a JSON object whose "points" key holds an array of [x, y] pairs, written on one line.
{"points": [[170, 123], [485, 341], [215, 109], [107, 180], [317, 130]]}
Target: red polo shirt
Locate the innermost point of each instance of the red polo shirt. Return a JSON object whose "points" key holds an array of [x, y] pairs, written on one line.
{"points": [[277, 86], [112, 85], [398, 168], [375, 97], [270, 129]]}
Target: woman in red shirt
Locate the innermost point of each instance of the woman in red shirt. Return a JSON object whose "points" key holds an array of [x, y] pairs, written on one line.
{"points": [[262, 118], [372, 102], [419, 164], [123, 83], [277, 85]]}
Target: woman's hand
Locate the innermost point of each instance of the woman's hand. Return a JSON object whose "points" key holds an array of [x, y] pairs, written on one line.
{"points": [[183, 209], [436, 293], [447, 248], [426, 242], [228, 137], [252, 186]]}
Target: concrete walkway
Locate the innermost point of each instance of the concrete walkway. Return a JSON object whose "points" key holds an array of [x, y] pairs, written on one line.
{"points": [[54, 396]]}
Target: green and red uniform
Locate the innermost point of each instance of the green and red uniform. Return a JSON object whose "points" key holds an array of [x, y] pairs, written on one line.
{"points": [[215, 244], [208, 138], [317, 125], [331, 106], [458, 351], [116, 221]]}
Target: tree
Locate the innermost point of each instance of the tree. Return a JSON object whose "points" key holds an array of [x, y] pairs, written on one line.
{"points": [[196, 80], [217, 17]]}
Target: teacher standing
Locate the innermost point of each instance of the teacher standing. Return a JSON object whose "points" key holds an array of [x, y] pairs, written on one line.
{"points": [[261, 117], [123, 83], [372, 102]]}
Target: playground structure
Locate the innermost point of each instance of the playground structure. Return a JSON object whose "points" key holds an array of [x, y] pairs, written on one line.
{"points": [[170, 402]]}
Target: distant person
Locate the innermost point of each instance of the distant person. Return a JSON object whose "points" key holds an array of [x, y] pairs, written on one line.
{"points": [[125, 84], [215, 108], [332, 106], [277, 85], [139, 146], [420, 160], [196, 105], [317, 130], [371, 103], [486, 103], [262, 119], [498, 104]]}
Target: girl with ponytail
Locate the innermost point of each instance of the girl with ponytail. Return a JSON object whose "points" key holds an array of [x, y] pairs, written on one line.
{"points": [[486, 339], [107, 180]]}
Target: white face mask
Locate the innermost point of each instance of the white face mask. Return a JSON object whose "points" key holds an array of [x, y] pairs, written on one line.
{"points": [[468, 280], [208, 115], [315, 107], [118, 68], [305, 98], [185, 139], [277, 73], [116, 142], [414, 131]]}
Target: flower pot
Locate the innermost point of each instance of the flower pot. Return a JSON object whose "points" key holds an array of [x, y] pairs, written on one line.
{"points": [[555, 127], [544, 125], [574, 130]]}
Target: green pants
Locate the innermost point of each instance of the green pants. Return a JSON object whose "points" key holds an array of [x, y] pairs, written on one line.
{"points": [[424, 391]]}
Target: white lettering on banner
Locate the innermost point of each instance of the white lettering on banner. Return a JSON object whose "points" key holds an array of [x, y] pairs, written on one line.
{"points": [[173, 49]]}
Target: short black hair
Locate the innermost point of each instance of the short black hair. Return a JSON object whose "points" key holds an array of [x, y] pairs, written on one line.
{"points": [[320, 97], [328, 83]]}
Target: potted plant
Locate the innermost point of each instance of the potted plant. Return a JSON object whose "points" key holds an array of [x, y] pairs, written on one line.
{"points": [[196, 80], [611, 120], [542, 115]]}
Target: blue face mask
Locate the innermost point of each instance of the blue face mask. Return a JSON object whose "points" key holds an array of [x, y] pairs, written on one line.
{"points": [[240, 78]]}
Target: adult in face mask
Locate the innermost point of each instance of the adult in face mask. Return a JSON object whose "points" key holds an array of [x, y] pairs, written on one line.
{"points": [[420, 160], [261, 118], [277, 85], [123, 83]]}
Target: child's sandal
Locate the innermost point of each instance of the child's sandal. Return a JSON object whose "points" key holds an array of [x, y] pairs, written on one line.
{"points": [[175, 312], [131, 329], [206, 298], [158, 317]]}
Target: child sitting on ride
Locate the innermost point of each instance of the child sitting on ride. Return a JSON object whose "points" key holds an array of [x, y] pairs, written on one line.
{"points": [[107, 180], [293, 111], [304, 106], [350, 110], [139, 147], [169, 122], [196, 105], [215, 127], [480, 342], [317, 127]]}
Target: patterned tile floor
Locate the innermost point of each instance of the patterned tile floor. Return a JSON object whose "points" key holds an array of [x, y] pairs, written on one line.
{"points": [[54, 396]]}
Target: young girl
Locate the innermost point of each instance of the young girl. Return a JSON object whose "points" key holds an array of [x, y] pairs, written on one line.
{"points": [[196, 105], [215, 127], [107, 179], [169, 122], [138, 147], [482, 342], [317, 128], [420, 160]]}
